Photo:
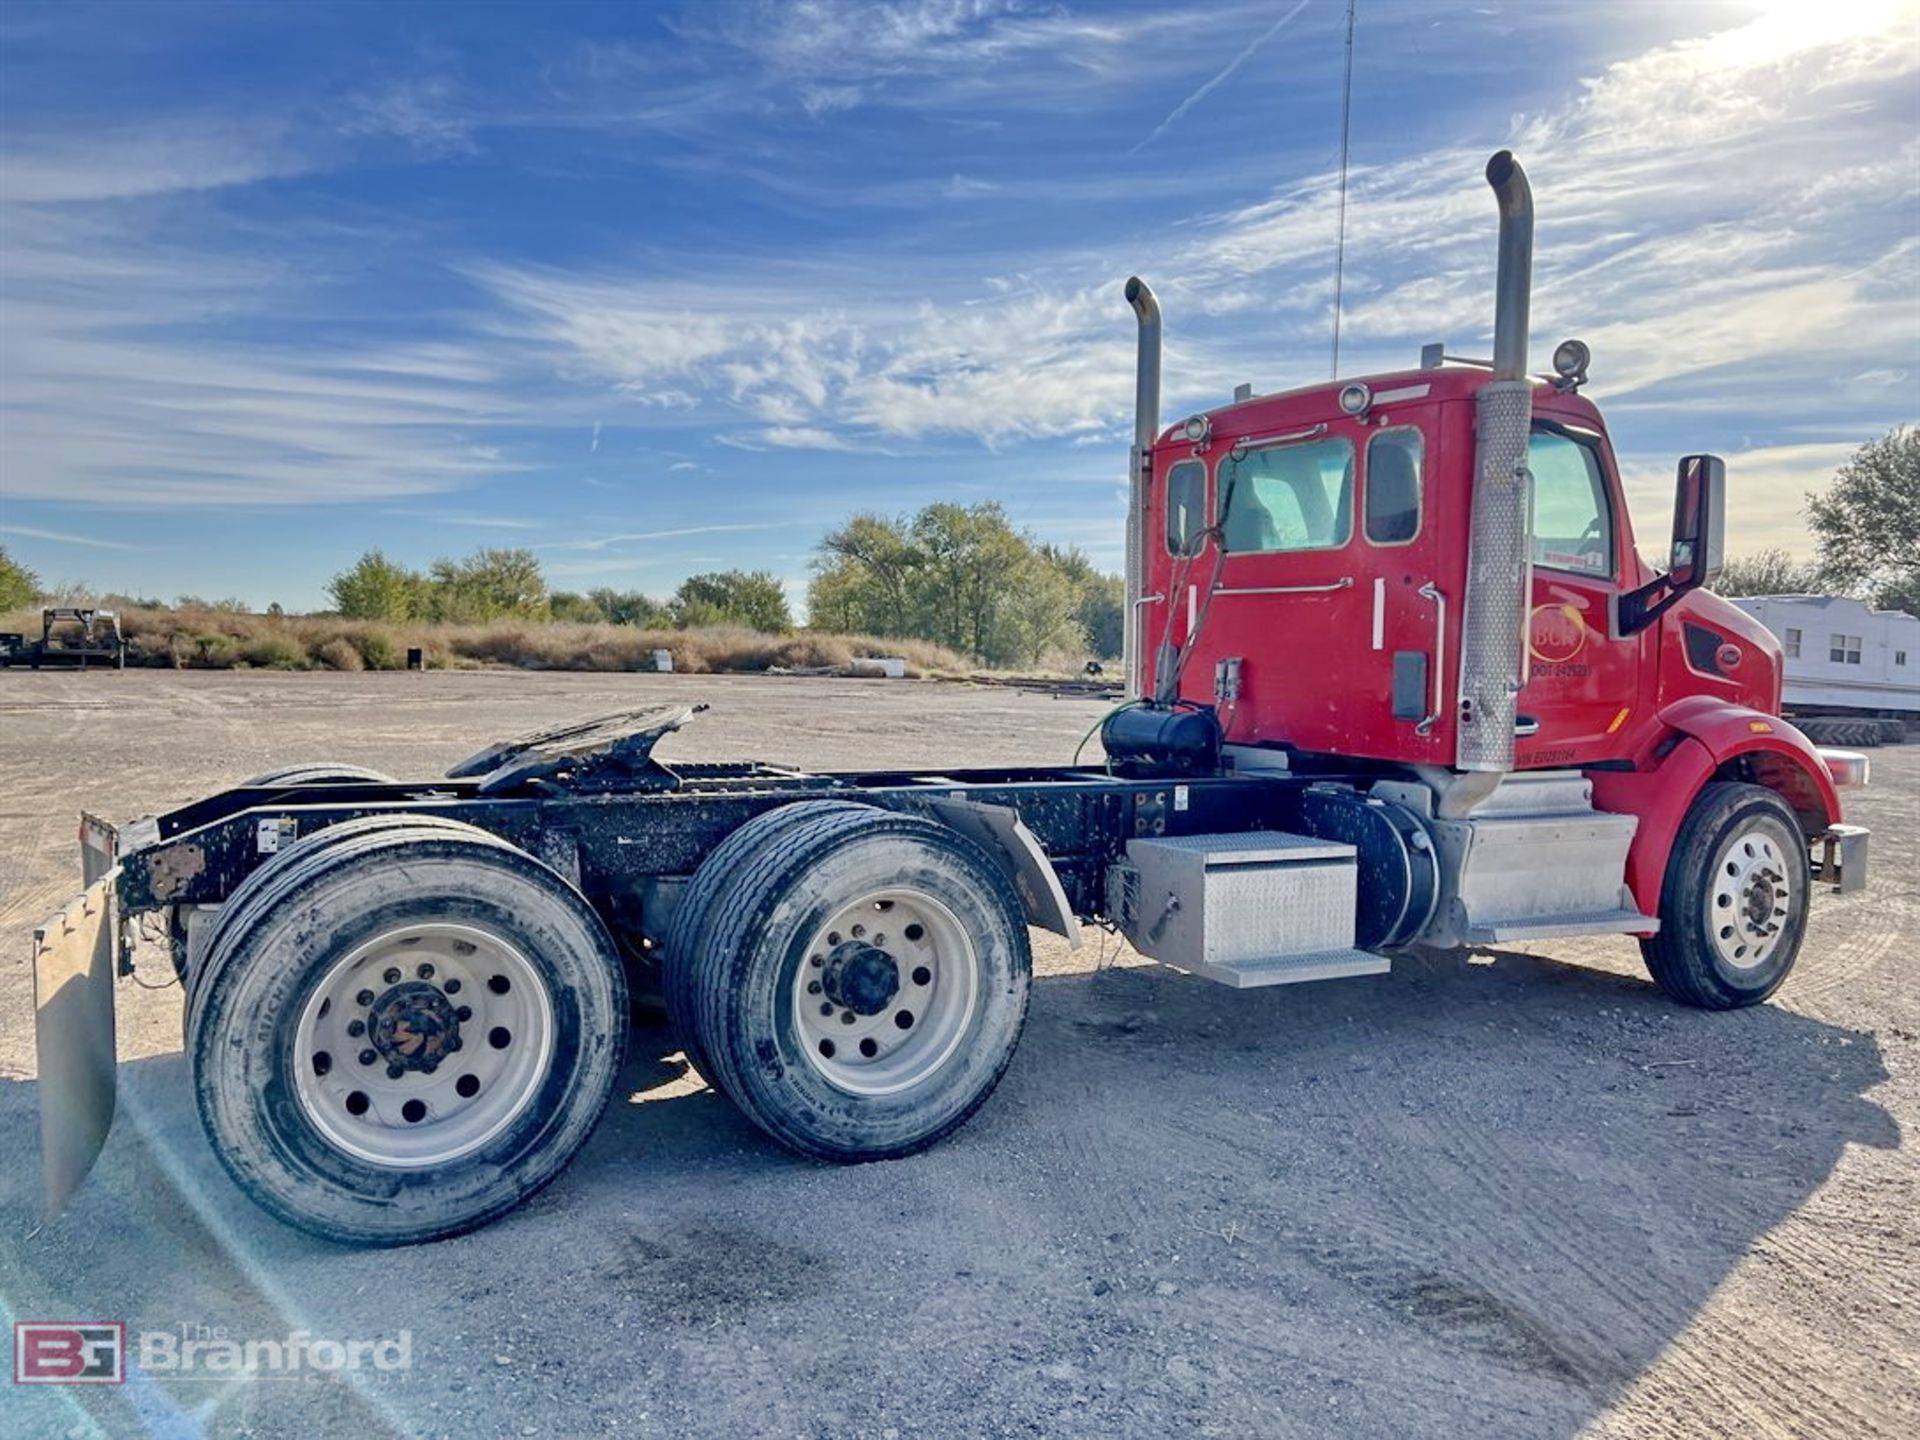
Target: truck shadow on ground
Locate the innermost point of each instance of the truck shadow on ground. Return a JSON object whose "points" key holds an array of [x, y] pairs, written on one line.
{"points": [[1463, 1196]]}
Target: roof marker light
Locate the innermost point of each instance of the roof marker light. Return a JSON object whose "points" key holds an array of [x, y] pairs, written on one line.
{"points": [[1570, 362], [1355, 398], [1197, 428]]}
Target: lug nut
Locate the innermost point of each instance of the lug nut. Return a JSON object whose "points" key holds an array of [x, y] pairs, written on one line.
{"points": [[465, 1012], [452, 987], [365, 997], [356, 1028], [846, 1017], [394, 1072], [813, 987], [392, 977], [425, 970], [367, 1057]]}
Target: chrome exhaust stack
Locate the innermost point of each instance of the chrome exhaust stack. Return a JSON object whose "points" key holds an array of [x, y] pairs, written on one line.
{"points": [[1500, 553], [1146, 428]]}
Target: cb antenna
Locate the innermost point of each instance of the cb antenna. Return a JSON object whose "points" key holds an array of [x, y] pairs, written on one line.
{"points": [[1340, 228]]}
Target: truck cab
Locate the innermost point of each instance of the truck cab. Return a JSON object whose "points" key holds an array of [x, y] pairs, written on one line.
{"points": [[1313, 546]]}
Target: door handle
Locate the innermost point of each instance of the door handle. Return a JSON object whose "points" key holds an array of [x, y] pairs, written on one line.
{"points": [[1430, 591]]}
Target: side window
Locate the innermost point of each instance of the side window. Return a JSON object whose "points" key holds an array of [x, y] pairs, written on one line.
{"points": [[1186, 504], [1572, 526], [1793, 643], [1844, 650], [1288, 497], [1393, 487]]}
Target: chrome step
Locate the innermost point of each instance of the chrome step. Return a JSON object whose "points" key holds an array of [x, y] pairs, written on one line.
{"points": [[1549, 927], [1292, 969]]}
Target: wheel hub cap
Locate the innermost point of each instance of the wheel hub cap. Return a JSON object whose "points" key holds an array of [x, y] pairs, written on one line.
{"points": [[861, 977], [414, 1026]]}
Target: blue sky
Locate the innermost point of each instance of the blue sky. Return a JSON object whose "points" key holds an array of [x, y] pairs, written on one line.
{"points": [[661, 289]]}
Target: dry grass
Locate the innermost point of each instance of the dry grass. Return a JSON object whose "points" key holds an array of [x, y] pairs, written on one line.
{"points": [[219, 639]]}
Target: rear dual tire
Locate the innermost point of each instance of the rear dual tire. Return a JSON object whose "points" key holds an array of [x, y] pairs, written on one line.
{"points": [[854, 979], [484, 988]]}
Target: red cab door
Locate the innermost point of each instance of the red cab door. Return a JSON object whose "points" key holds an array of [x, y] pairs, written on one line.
{"points": [[1583, 685]]}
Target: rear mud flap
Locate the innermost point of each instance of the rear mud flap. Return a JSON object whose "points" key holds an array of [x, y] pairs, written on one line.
{"points": [[73, 974]]}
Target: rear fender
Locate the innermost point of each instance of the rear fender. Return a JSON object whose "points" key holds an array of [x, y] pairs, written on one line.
{"points": [[1705, 739]]}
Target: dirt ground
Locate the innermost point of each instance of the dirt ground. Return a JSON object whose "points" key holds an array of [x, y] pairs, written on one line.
{"points": [[1508, 1194]]}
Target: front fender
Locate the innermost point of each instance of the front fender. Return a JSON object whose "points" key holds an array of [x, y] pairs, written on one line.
{"points": [[1764, 749], [1700, 739]]}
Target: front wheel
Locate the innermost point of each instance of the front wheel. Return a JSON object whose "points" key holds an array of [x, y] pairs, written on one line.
{"points": [[1733, 909], [861, 982]]}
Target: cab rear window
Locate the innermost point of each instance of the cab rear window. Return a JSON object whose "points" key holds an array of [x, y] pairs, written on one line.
{"points": [[1186, 505], [1393, 487], [1288, 497]]}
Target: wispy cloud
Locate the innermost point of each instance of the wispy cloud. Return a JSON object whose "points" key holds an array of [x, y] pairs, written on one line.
{"points": [[1212, 84], [466, 518], [426, 113], [158, 158], [631, 537], [64, 537]]}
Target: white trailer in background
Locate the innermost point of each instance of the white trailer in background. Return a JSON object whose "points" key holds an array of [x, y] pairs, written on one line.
{"points": [[1852, 673]]}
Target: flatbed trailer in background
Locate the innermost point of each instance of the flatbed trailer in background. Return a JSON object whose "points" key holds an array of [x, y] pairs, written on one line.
{"points": [[70, 635]]}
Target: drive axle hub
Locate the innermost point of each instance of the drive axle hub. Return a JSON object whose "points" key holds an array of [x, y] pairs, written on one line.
{"points": [[414, 1026], [861, 977]]}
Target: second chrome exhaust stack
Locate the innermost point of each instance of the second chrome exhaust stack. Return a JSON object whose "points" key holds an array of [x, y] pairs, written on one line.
{"points": [[1146, 429], [1500, 548]]}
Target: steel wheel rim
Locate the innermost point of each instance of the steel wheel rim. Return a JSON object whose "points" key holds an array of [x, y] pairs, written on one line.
{"points": [[882, 1051], [1752, 900], [460, 1084]]}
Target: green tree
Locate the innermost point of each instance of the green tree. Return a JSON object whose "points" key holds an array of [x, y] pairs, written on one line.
{"points": [[490, 584], [19, 586], [375, 588], [630, 607], [752, 598], [571, 608], [1769, 572], [1101, 604], [867, 571], [1038, 611], [1868, 521], [971, 555]]}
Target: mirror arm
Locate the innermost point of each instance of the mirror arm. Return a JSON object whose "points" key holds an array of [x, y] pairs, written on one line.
{"points": [[1638, 608]]}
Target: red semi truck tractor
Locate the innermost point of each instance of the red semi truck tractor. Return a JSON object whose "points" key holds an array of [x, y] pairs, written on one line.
{"points": [[1397, 676]]}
